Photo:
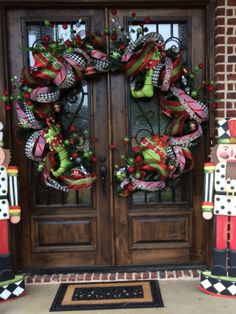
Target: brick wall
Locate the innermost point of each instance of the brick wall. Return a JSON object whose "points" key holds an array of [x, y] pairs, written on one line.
{"points": [[225, 57]]}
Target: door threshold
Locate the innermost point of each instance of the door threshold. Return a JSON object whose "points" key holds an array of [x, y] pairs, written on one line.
{"points": [[112, 269]]}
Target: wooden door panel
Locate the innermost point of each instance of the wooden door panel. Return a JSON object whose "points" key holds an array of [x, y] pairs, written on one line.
{"points": [[161, 256], [160, 227], [62, 229], [64, 234], [149, 232]]}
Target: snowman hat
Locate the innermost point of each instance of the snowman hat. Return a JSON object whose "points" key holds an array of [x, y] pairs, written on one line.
{"points": [[1, 134], [226, 129]]}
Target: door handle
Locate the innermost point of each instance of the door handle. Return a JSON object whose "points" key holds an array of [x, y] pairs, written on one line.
{"points": [[103, 173]]}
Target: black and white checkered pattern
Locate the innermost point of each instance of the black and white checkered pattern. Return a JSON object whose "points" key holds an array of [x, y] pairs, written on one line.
{"points": [[32, 122], [75, 58], [189, 140], [30, 144], [156, 73], [12, 290], [217, 285], [48, 97], [54, 184], [222, 129], [172, 155], [69, 80], [204, 108], [101, 65], [142, 39]]}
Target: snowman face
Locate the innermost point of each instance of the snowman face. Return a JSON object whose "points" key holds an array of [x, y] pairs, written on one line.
{"points": [[226, 153], [2, 156]]}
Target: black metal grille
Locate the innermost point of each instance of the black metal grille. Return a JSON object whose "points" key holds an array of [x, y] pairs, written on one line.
{"points": [[75, 110], [146, 117]]}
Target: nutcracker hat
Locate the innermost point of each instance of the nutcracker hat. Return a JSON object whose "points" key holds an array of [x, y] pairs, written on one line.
{"points": [[226, 129]]}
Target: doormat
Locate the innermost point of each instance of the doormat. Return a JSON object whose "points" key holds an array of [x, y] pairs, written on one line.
{"points": [[112, 295]]}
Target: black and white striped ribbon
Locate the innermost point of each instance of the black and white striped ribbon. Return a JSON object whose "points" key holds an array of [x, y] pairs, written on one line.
{"points": [[13, 190], [208, 186]]}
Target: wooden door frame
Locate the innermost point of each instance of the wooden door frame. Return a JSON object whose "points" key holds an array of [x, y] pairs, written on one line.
{"points": [[207, 5]]}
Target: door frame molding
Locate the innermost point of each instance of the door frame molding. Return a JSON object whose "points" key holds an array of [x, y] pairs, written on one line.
{"points": [[105, 3], [207, 5]]}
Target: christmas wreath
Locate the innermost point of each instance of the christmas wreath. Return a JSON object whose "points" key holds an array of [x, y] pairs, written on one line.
{"points": [[60, 66]]}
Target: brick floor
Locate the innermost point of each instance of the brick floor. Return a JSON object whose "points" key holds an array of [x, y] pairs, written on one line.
{"points": [[117, 276]]}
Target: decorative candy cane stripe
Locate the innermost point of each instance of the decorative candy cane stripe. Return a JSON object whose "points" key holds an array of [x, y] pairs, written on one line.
{"points": [[37, 91], [142, 39], [26, 117], [181, 160], [189, 139], [192, 107], [69, 80], [147, 186], [99, 55], [39, 149], [168, 69], [143, 185], [45, 95], [61, 75], [35, 142]]}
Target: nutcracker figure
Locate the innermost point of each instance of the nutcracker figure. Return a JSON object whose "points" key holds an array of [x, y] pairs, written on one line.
{"points": [[220, 203], [11, 286]]}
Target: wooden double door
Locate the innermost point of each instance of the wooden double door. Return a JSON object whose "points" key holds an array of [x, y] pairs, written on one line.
{"points": [[97, 227]]}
